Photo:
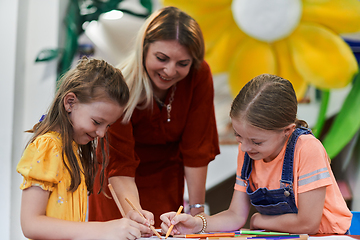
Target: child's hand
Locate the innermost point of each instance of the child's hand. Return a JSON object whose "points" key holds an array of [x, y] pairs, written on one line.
{"points": [[144, 223], [121, 229], [183, 223]]}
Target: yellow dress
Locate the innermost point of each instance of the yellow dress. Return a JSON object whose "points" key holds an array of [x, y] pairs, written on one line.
{"points": [[42, 165]]}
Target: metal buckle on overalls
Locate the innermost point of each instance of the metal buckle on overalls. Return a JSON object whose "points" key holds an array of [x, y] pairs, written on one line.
{"points": [[283, 185], [245, 180]]}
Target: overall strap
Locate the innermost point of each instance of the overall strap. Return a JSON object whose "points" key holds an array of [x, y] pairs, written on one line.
{"points": [[287, 171], [246, 169]]}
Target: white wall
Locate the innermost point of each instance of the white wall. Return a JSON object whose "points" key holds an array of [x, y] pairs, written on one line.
{"points": [[8, 20], [27, 88]]}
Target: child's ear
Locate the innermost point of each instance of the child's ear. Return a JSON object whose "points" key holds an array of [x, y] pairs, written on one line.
{"points": [[289, 129], [69, 101]]}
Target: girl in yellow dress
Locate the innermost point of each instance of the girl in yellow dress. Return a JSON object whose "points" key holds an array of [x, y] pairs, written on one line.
{"points": [[59, 162]]}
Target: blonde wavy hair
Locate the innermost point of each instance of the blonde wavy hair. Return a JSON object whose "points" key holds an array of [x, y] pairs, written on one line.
{"points": [[168, 23]]}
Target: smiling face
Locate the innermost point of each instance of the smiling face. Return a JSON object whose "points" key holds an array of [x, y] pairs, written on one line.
{"points": [[91, 120], [260, 143], [167, 62]]}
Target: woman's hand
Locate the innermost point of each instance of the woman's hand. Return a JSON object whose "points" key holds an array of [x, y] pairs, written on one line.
{"points": [[144, 223], [183, 223]]}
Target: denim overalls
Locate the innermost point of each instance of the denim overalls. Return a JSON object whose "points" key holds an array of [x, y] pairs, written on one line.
{"points": [[277, 201]]}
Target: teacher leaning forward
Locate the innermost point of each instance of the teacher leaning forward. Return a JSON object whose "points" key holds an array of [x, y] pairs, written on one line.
{"points": [[168, 132]]}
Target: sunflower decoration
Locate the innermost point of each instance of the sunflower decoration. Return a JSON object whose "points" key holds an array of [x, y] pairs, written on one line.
{"points": [[296, 39]]}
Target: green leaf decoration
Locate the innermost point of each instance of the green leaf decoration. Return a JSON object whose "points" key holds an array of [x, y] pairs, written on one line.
{"points": [[325, 96], [147, 4], [47, 55], [79, 12], [346, 123]]}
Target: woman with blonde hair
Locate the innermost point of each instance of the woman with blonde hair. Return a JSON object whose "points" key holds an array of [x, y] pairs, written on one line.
{"points": [[168, 132]]}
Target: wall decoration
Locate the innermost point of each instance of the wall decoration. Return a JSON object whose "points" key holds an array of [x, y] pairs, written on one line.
{"points": [[296, 39], [300, 40]]}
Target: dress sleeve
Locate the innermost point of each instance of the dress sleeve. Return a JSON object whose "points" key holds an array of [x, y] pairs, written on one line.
{"points": [[41, 164], [123, 160], [200, 143]]}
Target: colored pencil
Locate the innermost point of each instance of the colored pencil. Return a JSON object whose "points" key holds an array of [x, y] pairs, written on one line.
{"points": [[280, 237], [151, 227], [172, 226], [266, 237], [249, 232], [204, 235], [275, 237], [116, 200]]}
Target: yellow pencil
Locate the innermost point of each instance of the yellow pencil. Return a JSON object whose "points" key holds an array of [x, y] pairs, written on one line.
{"points": [[151, 227], [116, 200], [172, 226]]}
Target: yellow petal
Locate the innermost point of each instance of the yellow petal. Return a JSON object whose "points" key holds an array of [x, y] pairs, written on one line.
{"points": [[221, 54], [287, 70], [214, 17], [200, 8], [198, 4], [251, 59], [341, 16], [322, 57], [215, 24]]}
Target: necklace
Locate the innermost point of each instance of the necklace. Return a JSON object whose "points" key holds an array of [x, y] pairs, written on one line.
{"points": [[168, 106]]}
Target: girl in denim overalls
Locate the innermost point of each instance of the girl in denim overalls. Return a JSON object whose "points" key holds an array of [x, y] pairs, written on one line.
{"points": [[283, 170]]}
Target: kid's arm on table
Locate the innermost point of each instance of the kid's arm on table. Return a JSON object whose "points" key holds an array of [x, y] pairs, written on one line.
{"points": [[233, 218], [306, 221], [36, 225]]}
